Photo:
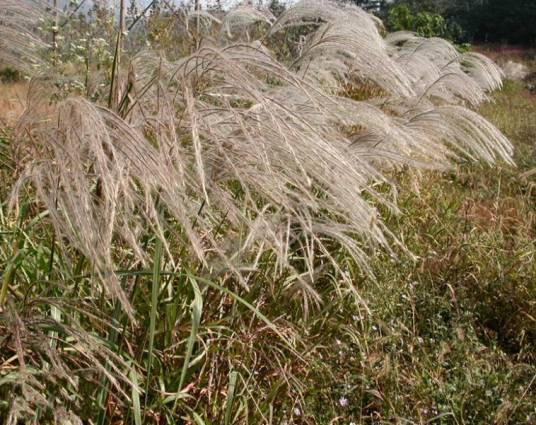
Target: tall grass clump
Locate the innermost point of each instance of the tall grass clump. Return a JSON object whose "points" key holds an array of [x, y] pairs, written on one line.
{"points": [[181, 220]]}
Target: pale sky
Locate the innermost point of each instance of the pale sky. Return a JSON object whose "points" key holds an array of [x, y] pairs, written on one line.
{"points": [[143, 3]]}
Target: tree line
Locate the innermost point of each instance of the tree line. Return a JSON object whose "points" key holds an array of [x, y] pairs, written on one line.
{"points": [[483, 21]]}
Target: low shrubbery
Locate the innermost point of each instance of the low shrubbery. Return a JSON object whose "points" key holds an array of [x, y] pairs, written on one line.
{"points": [[427, 24], [9, 75]]}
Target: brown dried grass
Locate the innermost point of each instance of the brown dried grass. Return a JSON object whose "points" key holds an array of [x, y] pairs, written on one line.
{"points": [[12, 102]]}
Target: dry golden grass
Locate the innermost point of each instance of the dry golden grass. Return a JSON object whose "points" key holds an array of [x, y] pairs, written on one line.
{"points": [[12, 102]]}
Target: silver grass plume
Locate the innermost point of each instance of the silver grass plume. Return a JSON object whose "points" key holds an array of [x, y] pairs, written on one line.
{"points": [[243, 129], [226, 116], [241, 18], [92, 171], [42, 363], [465, 131], [347, 41], [437, 70], [205, 19], [20, 44]]}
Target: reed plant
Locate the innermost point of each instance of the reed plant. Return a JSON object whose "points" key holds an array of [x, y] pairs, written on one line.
{"points": [[183, 225]]}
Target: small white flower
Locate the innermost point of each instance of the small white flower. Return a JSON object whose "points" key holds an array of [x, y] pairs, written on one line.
{"points": [[343, 401], [297, 411]]}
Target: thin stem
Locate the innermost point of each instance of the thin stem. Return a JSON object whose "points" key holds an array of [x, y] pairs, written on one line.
{"points": [[8, 275], [55, 28], [154, 306], [114, 85]]}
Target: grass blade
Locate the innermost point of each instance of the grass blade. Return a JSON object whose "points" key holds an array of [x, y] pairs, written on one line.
{"points": [[154, 307], [253, 309], [136, 406], [230, 396], [197, 310]]}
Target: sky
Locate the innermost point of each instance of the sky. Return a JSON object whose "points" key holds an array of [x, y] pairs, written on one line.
{"points": [[143, 3]]}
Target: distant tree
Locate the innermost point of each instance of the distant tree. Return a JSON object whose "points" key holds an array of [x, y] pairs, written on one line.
{"points": [[427, 24], [498, 20], [511, 21], [432, 6], [133, 9], [155, 7], [276, 7], [215, 5]]}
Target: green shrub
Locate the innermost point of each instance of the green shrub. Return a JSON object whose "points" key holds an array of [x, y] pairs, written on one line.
{"points": [[426, 24], [9, 75]]}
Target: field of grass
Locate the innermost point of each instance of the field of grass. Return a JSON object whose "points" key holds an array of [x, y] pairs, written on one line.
{"points": [[448, 337], [440, 330], [444, 335], [451, 336]]}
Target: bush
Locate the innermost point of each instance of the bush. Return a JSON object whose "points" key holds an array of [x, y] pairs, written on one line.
{"points": [[9, 75], [426, 24]]}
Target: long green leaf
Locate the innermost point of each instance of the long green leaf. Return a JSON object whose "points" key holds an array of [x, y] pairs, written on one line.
{"points": [[198, 419], [136, 406], [230, 396], [154, 308], [197, 310], [252, 308]]}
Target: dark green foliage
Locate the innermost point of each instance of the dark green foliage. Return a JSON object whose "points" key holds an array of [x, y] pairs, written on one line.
{"points": [[276, 7], [498, 20], [426, 24], [489, 21], [9, 75]]}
